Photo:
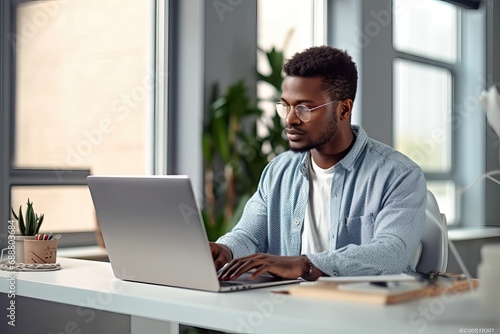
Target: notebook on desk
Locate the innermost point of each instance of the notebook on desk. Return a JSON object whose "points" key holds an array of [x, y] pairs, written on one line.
{"points": [[154, 233]]}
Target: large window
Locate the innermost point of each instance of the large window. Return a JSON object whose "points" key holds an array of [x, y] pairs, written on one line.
{"points": [[428, 28], [85, 79], [426, 38], [289, 26]]}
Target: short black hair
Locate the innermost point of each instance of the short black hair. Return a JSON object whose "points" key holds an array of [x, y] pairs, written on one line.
{"points": [[334, 66]]}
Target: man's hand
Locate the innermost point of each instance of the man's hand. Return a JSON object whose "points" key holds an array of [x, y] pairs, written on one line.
{"points": [[291, 267], [221, 254]]}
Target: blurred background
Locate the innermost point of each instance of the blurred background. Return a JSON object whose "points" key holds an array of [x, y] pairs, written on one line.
{"points": [[135, 87]]}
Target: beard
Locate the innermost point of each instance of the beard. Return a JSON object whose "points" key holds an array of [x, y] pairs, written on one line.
{"points": [[323, 139]]}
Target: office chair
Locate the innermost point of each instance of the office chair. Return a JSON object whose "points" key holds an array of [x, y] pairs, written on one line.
{"points": [[434, 243]]}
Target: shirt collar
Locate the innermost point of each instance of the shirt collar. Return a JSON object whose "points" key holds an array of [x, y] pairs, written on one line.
{"points": [[360, 142], [348, 161]]}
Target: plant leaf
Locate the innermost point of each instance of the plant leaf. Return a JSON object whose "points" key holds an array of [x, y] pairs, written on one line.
{"points": [[221, 140], [22, 227], [207, 144], [40, 221], [14, 214], [30, 219]]}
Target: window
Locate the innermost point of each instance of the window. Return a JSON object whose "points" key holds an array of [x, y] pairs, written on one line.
{"points": [[289, 26], [427, 28], [426, 38], [422, 96], [85, 84]]}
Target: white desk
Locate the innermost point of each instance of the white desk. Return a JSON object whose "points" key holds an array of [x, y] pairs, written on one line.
{"points": [[154, 309]]}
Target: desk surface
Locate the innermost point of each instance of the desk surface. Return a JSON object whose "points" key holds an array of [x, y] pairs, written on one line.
{"points": [[91, 284]]}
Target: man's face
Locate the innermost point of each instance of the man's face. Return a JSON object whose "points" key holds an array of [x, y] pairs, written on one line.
{"points": [[318, 133]]}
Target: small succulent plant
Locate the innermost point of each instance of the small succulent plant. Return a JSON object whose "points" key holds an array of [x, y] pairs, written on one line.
{"points": [[30, 225]]}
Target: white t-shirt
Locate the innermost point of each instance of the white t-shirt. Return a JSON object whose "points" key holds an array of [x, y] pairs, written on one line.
{"points": [[316, 231]]}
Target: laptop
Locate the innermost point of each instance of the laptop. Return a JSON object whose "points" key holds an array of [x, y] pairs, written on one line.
{"points": [[154, 233]]}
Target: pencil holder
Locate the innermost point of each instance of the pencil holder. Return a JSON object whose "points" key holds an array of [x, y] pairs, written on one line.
{"points": [[40, 251]]}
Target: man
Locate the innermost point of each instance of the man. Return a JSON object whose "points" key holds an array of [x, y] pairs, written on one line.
{"points": [[337, 203]]}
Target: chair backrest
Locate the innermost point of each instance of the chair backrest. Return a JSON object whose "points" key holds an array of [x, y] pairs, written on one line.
{"points": [[434, 242]]}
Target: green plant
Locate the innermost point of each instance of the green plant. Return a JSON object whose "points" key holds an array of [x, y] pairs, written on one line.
{"points": [[233, 152], [31, 225]]}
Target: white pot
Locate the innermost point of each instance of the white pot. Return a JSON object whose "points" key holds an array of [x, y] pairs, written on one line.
{"points": [[19, 242]]}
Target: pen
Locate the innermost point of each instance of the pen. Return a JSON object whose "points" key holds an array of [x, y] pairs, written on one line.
{"points": [[45, 236], [433, 276]]}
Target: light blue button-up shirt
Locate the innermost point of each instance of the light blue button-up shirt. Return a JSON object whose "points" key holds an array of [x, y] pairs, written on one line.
{"points": [[377, 211]]}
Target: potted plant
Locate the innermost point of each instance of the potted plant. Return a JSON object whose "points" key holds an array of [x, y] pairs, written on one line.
{"points": [[29, 225], [234, 154]]}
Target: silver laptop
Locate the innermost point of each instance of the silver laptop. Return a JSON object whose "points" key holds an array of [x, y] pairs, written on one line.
{"points": [[154, 233]]}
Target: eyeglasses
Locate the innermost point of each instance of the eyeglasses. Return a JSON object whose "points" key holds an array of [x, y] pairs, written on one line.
{"points": [[302, 112]]}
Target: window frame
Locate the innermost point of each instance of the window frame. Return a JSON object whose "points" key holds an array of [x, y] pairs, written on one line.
{"points": [[463, 72], [450, 175], [451, 70], [364, 29]]}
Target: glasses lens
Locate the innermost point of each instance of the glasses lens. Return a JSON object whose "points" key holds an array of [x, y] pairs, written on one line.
{"points": [[303, 113], [281, 109]]}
